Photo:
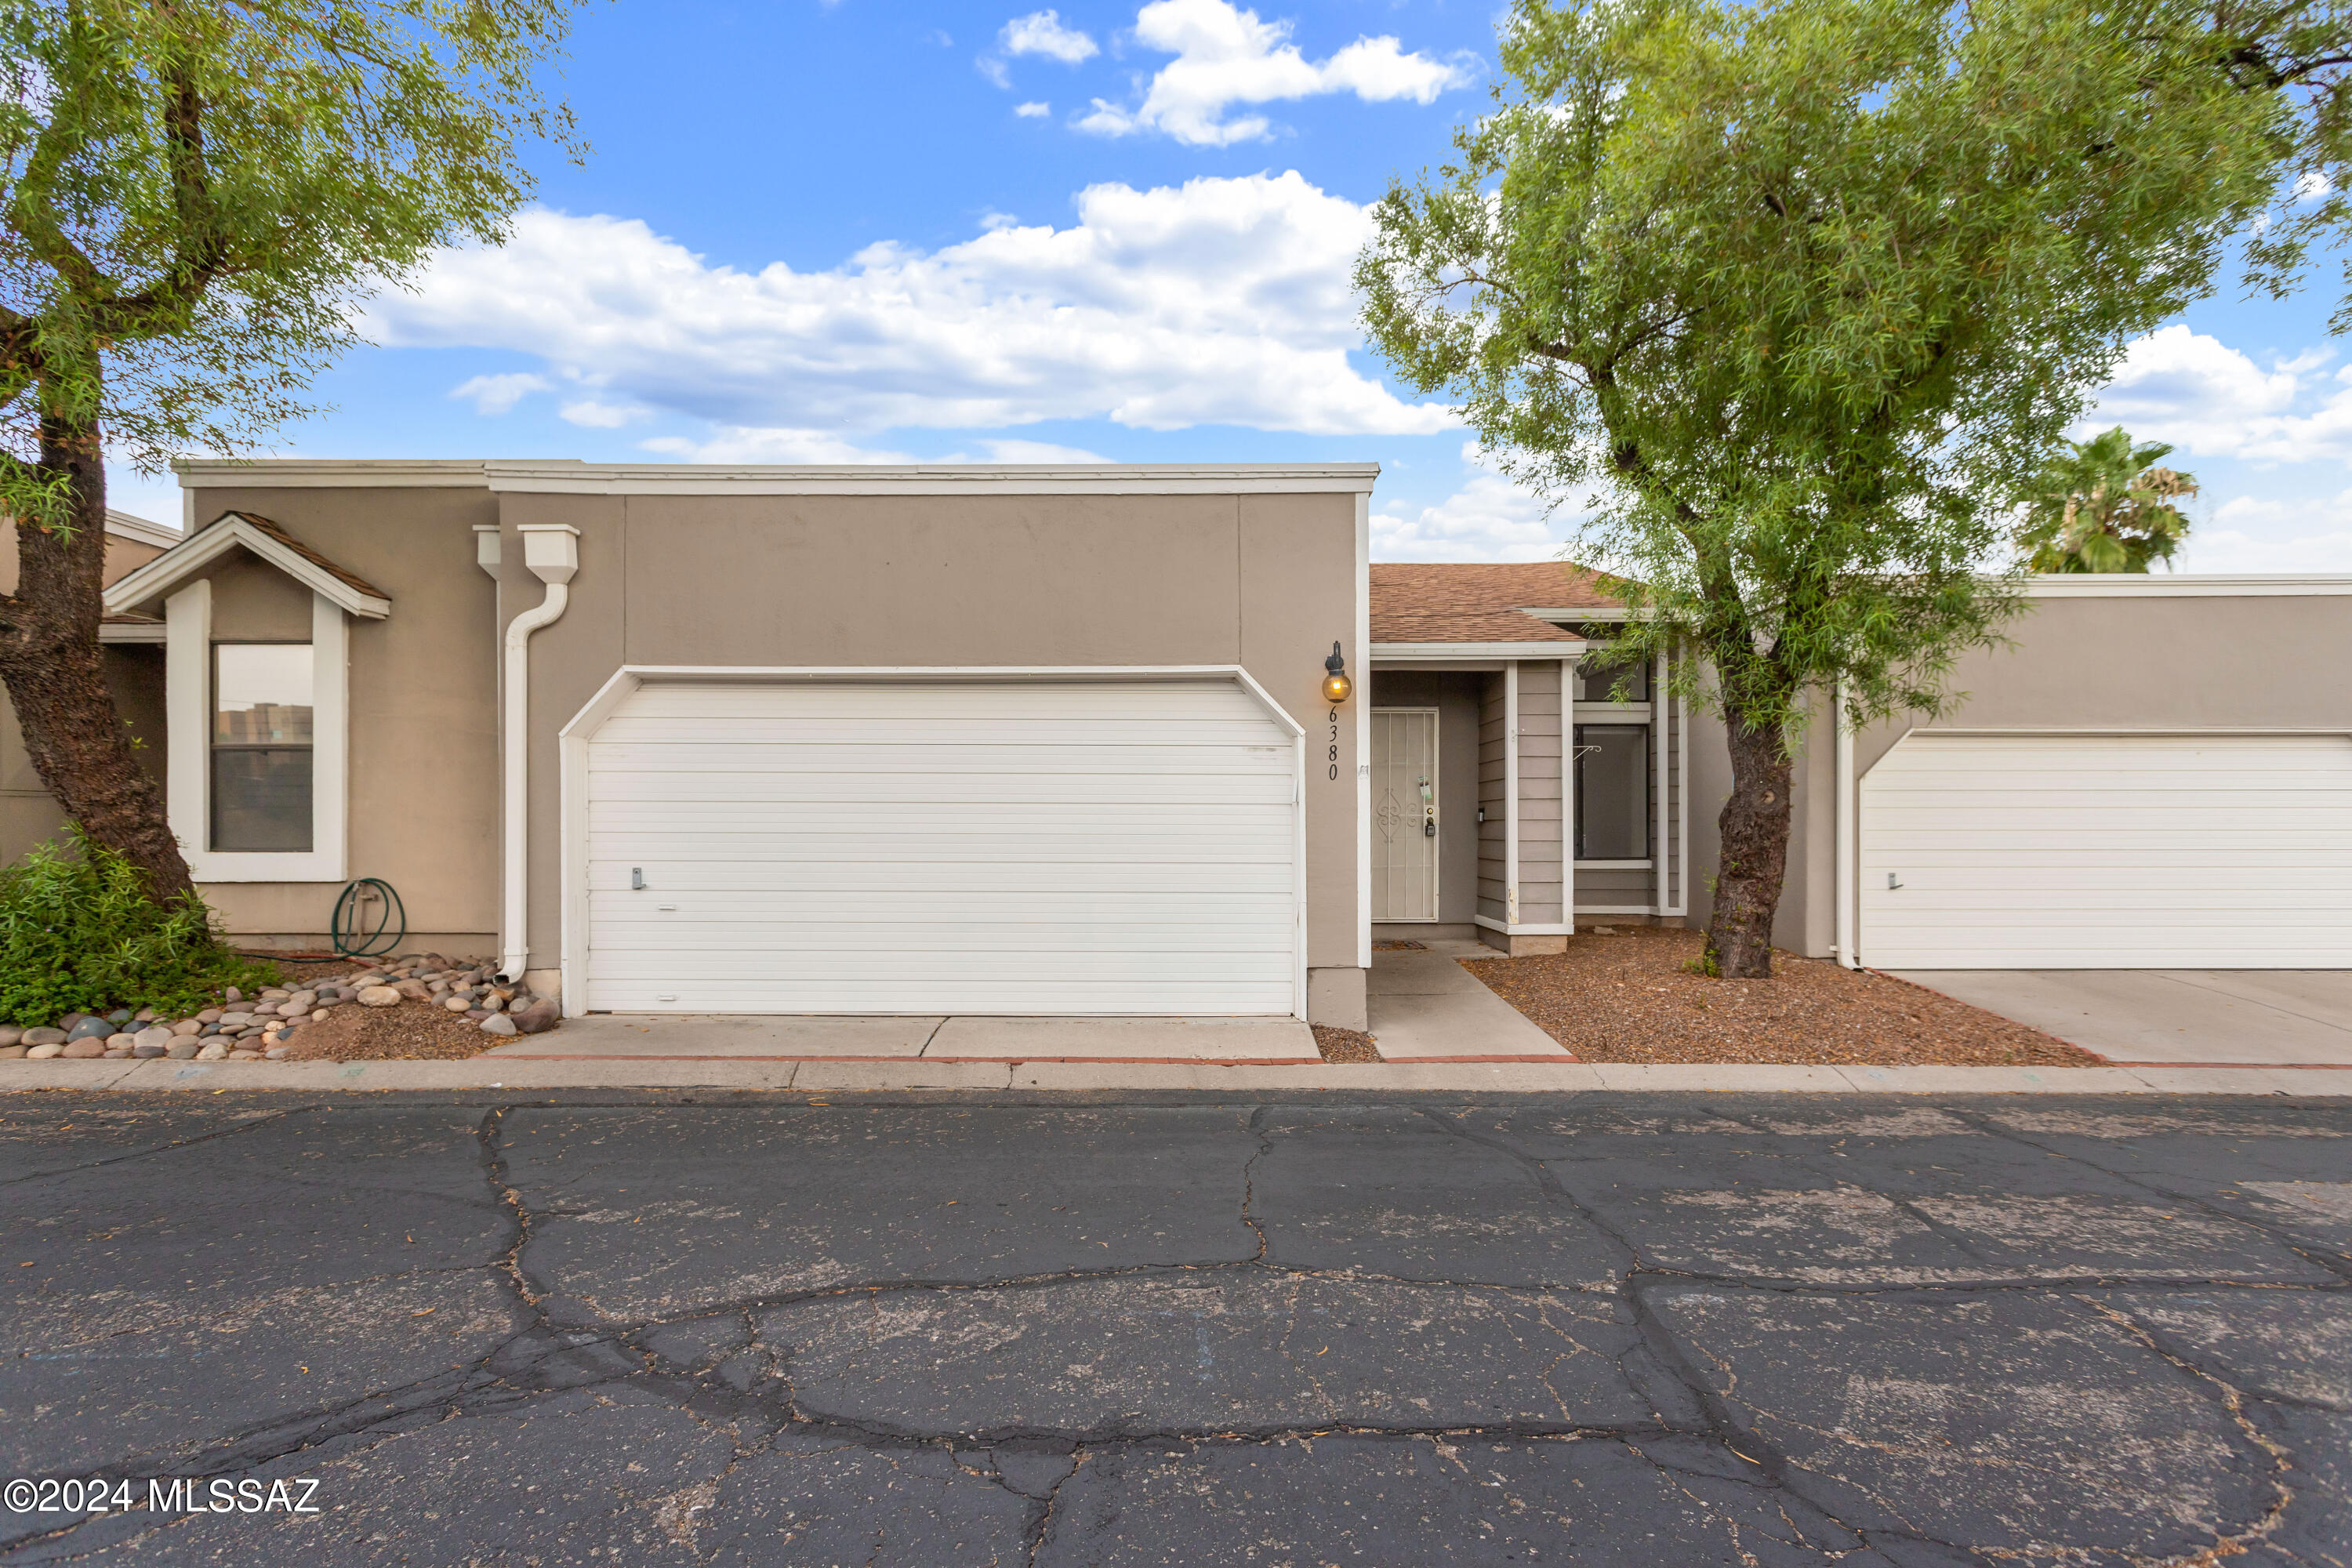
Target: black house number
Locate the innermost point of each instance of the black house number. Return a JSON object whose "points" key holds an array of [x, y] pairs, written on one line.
{"points": [[1335, 742]]}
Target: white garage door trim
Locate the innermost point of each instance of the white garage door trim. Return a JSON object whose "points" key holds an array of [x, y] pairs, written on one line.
{"points": [[574, 737], [2182, 852]]}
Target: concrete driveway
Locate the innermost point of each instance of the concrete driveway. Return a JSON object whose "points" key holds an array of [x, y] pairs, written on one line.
{"points": [[2238, 1017], [1611, 1331]]}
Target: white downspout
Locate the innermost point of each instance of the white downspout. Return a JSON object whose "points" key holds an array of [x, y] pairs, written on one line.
{"points": [[552, 551], [1843, 862]]}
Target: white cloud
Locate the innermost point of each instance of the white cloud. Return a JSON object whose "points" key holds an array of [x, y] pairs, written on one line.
{"points": [[2197, 393], [1032, 110], [1219, 301], [742, 444], [1041, 33], [597, 415], [2251, 534], [1488, 519], [1036, 452], [498, 393], [1227, 55]]}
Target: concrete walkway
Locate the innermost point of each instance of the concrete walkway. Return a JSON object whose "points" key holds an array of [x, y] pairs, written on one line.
{"points": [[2210, 1017], [1426, 1008], [670, 1036]]}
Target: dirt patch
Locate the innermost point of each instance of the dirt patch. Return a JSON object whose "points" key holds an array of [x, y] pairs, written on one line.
{"points": [[1344, 1044], [413, 1031], [1627, 998]]}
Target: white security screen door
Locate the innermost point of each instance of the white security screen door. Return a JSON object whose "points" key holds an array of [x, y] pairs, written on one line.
{"points": [[1074, 847], [2054, 851], [1404, 813]]}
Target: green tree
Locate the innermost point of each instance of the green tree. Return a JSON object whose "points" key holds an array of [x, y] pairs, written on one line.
{"points": [[193, 198], [1812, 287], [2103, 505]]}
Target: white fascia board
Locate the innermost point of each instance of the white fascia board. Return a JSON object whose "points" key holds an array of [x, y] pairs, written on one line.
{"points": [[928, 479], [1617, 613], [330, 473], [1423, 652], [172, 568], [131, 631], [125, 525], [2185, 584]]}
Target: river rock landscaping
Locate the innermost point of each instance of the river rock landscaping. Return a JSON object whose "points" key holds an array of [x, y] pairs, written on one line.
{"points": [[419, 1004]]}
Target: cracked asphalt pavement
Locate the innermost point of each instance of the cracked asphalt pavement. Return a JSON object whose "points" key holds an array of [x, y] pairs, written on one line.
{"points": [[1645, 1330]]}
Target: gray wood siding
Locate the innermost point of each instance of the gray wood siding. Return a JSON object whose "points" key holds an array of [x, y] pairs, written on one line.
{"points": [[1543, 841], [1491, 798]]}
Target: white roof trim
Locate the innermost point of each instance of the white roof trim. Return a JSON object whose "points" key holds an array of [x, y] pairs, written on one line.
{"points": [[1404, 651], [566, 477], [326, 473], [167, 571], [130, 631], [931, 479], [125, 525], [2184, 584]]}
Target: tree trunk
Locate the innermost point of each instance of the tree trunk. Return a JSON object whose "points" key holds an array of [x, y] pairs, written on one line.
{"points": [[52, 666], [1755, 857]]}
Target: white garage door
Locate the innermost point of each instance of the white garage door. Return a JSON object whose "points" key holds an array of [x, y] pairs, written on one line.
{"points": [[2108, 852], [1080, 847]]}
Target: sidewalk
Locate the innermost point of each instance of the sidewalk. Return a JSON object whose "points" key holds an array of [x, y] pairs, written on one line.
{"points": [[1560, 1075]]}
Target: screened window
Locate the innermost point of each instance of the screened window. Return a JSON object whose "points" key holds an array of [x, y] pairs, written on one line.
{"points": [[261, 747], [1612, 792], [1599, 682]]}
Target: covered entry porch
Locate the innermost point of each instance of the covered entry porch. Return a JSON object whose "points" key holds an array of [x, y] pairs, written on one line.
{"points": [[1520, 781]]}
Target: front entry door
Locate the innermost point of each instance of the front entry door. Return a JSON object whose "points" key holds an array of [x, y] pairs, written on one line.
{"points": [[1404, 813]]}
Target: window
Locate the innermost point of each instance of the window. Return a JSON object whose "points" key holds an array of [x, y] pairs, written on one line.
{"points": [[262, 734], [1599, 682], [1612, 792]]}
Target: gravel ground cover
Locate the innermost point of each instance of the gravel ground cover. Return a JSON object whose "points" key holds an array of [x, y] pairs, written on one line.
{"points": [[1628, 996], [418, 1005], [1345, 1045]]}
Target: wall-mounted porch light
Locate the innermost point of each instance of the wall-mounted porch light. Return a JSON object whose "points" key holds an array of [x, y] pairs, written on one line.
{"points": [[1335, 684]]}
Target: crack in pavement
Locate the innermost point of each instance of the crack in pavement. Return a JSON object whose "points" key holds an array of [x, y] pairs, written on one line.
{"points": [[717, 1388]]}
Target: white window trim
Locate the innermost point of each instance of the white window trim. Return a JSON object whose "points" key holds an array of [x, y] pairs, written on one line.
{"points": [[188, 701]]}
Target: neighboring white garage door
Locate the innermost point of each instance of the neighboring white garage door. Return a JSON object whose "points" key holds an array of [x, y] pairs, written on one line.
{"points": [[1077, 847], [2108, 852]]}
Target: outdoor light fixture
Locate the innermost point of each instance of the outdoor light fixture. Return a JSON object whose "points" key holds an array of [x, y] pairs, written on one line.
{"points": [[1335, 684]]}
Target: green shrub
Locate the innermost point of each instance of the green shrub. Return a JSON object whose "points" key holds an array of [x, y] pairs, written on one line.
{"points": [[80, 933]]}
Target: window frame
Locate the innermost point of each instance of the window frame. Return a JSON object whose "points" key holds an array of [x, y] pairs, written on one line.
{"points": [[188, 662], [215, 745], [1620, 716]]}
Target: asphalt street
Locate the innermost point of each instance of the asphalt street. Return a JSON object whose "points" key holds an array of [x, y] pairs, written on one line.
{"points": [[1655, 1330]]}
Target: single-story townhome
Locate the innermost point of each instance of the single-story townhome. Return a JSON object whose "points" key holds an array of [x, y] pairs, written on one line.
{"points": [[1132, 740]]}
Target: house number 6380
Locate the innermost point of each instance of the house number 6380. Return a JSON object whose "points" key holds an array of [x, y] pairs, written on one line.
{"points": [[1335, 742]]}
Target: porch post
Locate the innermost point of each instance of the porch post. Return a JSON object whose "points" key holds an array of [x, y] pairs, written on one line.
{"points": [[1510, 799]]}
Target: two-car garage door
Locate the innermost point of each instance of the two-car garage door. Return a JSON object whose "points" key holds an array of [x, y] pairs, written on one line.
{"points": [[1028, 847], [2108, 852]]}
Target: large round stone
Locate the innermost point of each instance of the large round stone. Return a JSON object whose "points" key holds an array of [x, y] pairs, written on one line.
{"points": [[90, 1028], [43, 1052], [378, 996], [498, 1024], [44, 1034]]}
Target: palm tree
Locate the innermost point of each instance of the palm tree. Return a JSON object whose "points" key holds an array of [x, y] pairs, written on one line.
{"points": [[2103, 506]]}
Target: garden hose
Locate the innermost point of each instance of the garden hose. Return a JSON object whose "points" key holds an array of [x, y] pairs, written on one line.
{"points": [[372, 942]]}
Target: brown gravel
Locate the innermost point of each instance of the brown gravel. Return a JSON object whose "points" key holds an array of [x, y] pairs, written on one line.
{"points": [[1344, 1044], [1627, 998], [413, 1031]]}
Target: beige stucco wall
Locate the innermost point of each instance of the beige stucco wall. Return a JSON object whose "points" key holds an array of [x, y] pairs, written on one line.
{"points": [[1267, 583], [423, 734], [2142, 659]]}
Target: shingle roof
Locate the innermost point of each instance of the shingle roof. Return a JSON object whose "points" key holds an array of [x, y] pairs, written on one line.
{"points": [[352, 578], [1441, 602]]}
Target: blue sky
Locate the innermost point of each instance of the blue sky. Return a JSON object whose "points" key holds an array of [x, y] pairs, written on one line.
{"points": [[814, 232]]}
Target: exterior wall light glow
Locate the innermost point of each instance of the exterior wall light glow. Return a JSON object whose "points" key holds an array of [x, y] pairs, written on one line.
{"points": [[1335, 684]]}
